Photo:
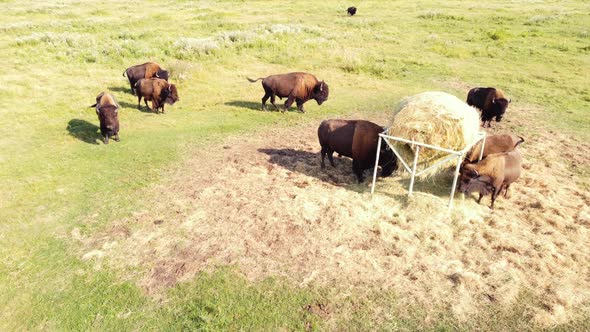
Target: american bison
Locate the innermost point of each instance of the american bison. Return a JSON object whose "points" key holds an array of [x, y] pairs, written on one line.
{"points": [[146, 70], [489, 176], [490, 101], [494, 144], [107, 110], [298, 87], [356, 139], [158, 91], [351, 11]]}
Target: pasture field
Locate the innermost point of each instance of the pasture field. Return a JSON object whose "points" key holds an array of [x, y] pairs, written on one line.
{"points": [[216, 215]]}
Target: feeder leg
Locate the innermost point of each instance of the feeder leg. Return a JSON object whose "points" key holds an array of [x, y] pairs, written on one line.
{"points": [[376, 164], [414, 171], [455, 180]]}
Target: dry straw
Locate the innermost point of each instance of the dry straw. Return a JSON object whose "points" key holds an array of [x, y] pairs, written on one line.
{"points": [[435, 118]]}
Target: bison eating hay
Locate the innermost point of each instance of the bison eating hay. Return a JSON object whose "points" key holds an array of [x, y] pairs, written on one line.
{"points": [[434, 130], [434, 118]]}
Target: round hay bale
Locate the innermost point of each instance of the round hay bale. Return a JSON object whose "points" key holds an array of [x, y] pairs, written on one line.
{"points": [[434, 118]]}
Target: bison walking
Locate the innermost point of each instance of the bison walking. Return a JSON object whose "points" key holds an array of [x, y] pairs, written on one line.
{"points": [[146, 70], [158, 91], [358, 140], [490, 101], [296, 87], [107, 110]]}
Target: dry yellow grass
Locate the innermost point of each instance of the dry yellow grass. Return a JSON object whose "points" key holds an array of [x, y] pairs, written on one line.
{"points": [[263, 204]]}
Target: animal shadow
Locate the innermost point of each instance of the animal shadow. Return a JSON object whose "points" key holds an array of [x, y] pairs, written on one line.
{"points": [[257, 106], [84, 131], [142, 107], [308, 163], [119, 89]]}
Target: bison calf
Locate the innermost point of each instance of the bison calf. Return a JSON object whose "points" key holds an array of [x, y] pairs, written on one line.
{"points": [[158, 91], [146, 70], [107, 110], [490, 101], [298, 87], [494, 144], [491, 175], [356, 139]]}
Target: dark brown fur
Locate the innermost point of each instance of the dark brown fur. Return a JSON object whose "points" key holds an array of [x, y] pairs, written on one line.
{"points": [[494, 173], [490, 101], [351, 11], [107, 110], [145, 70], [356, 139], [296, 87], [156, 90]]}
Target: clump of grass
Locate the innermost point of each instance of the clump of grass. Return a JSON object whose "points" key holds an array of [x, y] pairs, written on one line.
{"points": [[497, 35], [236, 36], [284, 28], [56, 39], [540, 19], [434, 15], [179, 70], [195, 46]]}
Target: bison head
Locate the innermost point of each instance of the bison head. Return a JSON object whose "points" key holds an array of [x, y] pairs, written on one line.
{"points": [[321, 92], [163, 74], [472, 181], [387, 160], [172, 94], [500, 106]]}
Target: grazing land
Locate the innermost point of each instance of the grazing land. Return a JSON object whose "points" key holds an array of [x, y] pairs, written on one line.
{"points": [[216, 215]]}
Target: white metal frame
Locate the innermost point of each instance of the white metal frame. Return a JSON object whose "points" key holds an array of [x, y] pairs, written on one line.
{"points": [[460, 155]]}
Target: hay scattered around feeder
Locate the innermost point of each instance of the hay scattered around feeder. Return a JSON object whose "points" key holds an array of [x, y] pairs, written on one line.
{"points": [[434, 118]]}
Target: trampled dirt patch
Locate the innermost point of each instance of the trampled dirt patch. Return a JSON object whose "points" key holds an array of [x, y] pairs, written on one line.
{"points": [[262, 203]]}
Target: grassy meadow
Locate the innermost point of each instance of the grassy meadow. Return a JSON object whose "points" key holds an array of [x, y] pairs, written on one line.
{"points": [[60, 183]]}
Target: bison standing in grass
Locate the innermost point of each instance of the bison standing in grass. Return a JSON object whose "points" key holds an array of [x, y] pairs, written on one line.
{"points": [[146, 70], [107, 110], [358, 140], [158, 91], [490, 101], [298, 87]]}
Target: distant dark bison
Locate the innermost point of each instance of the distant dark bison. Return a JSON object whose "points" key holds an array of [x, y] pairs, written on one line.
{"points": [[490, 101], [158, 91], [298, 87], [146, 70], [107, 110], [356, 139], [351, 11]]}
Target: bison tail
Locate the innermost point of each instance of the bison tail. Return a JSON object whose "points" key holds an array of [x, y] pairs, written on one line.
{"points": [[125, 72], [521, 140], [252, 81]]}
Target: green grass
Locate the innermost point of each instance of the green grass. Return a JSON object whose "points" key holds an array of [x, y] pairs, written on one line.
{"points": [[59, 56]]}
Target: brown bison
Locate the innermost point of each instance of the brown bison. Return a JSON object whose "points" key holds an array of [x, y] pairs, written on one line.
{"points": [[491, 175], [490, 101], [158, 91], [146, 70], [298, 87], [107, 110], [356, 139], [351, 11], [494, 144]]}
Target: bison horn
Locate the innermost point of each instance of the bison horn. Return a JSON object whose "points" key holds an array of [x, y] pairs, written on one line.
{"points": [[476, 173], [509, 100]]}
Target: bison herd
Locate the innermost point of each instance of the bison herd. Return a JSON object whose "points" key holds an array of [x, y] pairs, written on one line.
{"points": [[356, 139]]}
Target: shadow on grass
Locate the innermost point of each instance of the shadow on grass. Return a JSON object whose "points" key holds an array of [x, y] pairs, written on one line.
{"points": [[257, 106], [119, 89], [84, 131], [142, 107]]}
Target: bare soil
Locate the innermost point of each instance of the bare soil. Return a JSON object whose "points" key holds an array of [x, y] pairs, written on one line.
{"points": [[262, 203]]}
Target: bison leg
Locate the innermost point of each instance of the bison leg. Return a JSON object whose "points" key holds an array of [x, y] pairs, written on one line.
{"points": [[494, 196], [479, 199], [323, 154], [272, 101], [358, 171], [289, 102], [105, 138], [331, 157], [139, 102], [264, 99], [300, 106], [506, 191], [132, 88], [117, 139]]}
